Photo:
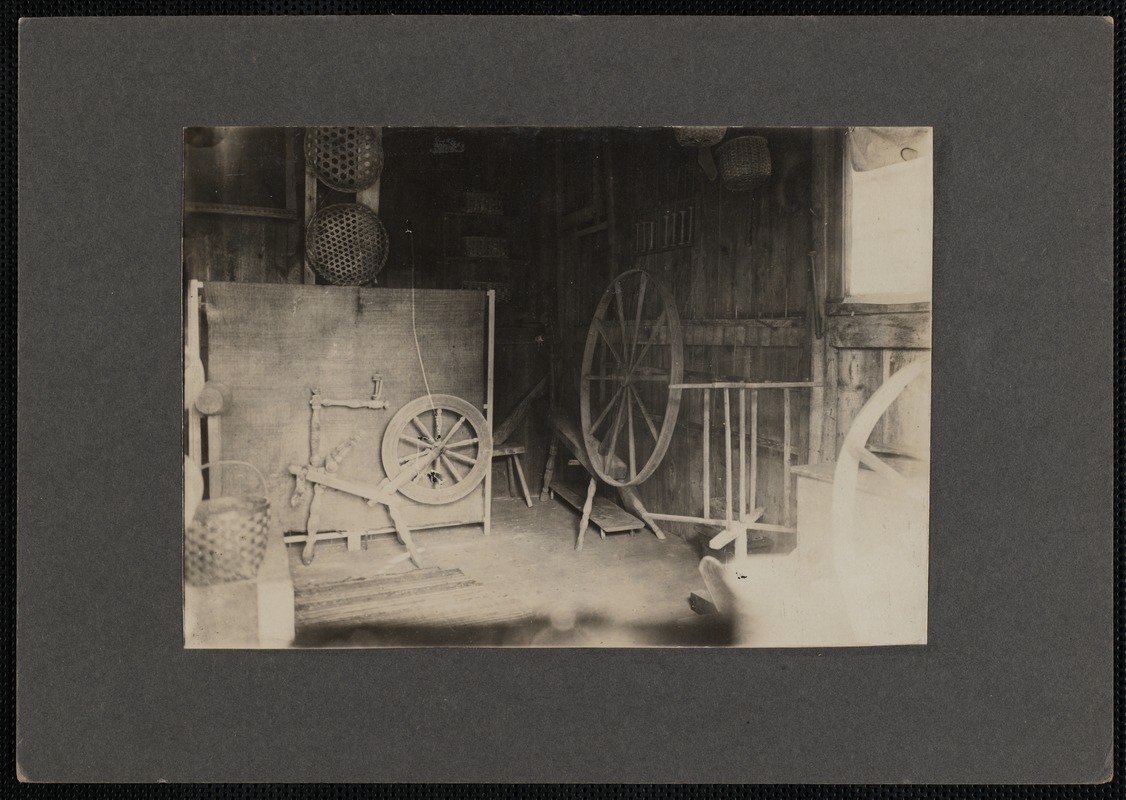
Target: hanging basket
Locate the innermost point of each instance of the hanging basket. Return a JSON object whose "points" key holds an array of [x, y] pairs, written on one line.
{"points": [[226, 540], [699, 136], [744, 163], [346, 244], [345, 159]]}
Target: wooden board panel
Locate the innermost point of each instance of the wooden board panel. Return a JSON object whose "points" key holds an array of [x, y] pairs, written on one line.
{"points": [[903, 330], [603, 513], [272, 343]]}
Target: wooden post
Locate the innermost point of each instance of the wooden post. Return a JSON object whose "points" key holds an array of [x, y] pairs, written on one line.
{"points": [[742, 455], [786, 457], [310, 209], [707, 455], [491, 295], [727, 452], [194, 376], [754, 448]]}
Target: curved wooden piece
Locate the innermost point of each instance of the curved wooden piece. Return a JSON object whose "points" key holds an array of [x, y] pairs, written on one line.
{"points": [[618, 425], [854, 450]]}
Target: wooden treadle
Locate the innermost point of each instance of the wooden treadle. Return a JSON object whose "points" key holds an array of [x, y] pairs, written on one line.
{"points": [[603, 513]]}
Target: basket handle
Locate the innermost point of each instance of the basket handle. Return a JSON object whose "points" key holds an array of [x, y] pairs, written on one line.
{"points": [[225, 462]]}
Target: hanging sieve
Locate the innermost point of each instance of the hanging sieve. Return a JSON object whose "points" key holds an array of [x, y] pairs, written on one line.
{"points": [[346, 244], [345, 159]]}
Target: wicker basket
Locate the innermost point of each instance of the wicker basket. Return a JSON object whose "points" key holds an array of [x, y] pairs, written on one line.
{"points": [[744, 163], [482, 203], [345, 159], [485, 246], [226, 540], [346, 244], [699, 136]]}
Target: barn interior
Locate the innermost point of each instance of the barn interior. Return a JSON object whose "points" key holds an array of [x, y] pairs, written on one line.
{"points": [[556, 387]]}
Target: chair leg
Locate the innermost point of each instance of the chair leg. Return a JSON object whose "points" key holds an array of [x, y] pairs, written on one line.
{"points": [[511, 479], [523, 483]]}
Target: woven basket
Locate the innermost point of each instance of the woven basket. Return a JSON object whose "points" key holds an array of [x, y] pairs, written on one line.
{"points": [[346, 244], [699, 136], [345, 159], [744, 163], [485, 246], [482, 203], [226, 540]]}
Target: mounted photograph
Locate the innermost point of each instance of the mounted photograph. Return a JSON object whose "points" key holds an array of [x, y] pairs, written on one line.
{"points": [[556, 387]]}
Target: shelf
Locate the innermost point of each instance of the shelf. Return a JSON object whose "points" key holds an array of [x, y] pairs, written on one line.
{"points": [[486, 259], [473, 215]]}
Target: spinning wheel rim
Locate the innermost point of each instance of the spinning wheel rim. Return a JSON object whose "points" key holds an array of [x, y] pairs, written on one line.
{"points": [[628, 397], [472, 441]]}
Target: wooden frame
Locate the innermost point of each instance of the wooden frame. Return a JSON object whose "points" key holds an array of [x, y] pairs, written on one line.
{"points": [[290, 212], [738, 522]]}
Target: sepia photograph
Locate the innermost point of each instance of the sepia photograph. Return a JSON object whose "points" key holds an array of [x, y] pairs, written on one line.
{"points": [[556, 387]]}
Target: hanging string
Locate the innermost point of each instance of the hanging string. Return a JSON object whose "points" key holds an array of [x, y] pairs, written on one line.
{"points": [[414, 328]]}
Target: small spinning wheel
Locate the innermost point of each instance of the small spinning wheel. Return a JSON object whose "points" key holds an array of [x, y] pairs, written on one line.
{"points": [[445, 441], [633, 361]]}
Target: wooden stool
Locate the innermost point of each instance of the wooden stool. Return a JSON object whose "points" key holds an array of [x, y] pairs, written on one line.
{"points": [[512, 453]]}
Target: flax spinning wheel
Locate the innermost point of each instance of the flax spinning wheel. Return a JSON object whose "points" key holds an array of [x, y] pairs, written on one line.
{"points": [[634, 357], [444, 441]]}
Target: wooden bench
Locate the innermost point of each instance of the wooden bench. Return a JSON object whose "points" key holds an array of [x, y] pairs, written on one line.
{"points": [[511, 454]]}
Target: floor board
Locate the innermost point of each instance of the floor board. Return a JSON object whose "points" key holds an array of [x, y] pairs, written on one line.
{"points": [[530, 562]]}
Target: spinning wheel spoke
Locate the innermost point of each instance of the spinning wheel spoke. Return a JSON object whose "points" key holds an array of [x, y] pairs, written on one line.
{"points": [[629, 430], [462, 443], [657, 377], [608, 377], [411, 440], [454, 471], [652, 338], [456, 428], [611, 451], [606, 410], [462, 458], [890, 474], [645, 414], [422, 429], [621, 317], [609, 345], [637, 319]]}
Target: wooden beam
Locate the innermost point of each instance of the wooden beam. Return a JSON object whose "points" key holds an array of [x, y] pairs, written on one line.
{"points": [[516, 416], [895, 331]]}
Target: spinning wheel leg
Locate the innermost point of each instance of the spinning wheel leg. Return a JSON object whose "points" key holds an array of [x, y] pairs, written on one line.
{"points": [[585, 521], [633, 502], [404, 533], [549, 470], [311, 526]]}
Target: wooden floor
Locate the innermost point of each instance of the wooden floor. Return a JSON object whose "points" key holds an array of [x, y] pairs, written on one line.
{"points": [[622, 590]]}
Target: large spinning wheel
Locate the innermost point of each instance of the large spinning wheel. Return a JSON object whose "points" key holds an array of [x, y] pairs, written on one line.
{"points": [[632, 365], [444, 442], [855, 452]]}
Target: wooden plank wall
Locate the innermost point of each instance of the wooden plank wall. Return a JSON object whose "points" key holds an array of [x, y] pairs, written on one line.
{"points": [[272, 344], [247, 168], [863, 344], [741, 285]]}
